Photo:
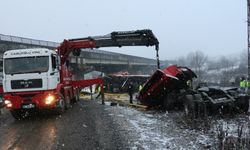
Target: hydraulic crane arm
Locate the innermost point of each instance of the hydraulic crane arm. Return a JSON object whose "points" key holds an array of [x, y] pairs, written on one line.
{"points": [[114, 39]]}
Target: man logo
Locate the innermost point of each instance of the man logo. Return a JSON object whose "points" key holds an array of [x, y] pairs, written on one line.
{"points": [[26, 83]]}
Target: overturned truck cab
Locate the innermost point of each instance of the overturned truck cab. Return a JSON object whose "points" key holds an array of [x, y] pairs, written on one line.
{"points": [[171, 88], [167, 87]]}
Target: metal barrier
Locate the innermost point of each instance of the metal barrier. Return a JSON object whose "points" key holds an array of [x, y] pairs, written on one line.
{"points": [[21, 40]]}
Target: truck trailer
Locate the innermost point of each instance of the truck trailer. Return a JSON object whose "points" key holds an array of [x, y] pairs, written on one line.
{"points": [[171, 88]]}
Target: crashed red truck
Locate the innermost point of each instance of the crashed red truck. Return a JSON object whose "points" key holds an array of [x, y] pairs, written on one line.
{"points": [[39, 79], [168, 88]]}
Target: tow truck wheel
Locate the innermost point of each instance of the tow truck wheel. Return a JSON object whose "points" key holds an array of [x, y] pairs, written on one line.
{"points": [[67, 103], [17, 114], [61, 105]]}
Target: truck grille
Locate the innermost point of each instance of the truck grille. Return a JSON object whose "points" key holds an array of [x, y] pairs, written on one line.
{"points": [[26, 84]]}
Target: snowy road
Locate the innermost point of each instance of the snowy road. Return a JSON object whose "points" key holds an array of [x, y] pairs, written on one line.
{"points": [[89, 125], [154, 130], [161, 130]]}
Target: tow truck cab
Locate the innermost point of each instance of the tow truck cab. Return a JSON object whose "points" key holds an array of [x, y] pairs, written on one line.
{"points": [[30, 78]]}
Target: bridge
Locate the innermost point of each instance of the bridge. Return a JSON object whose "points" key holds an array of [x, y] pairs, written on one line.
{"points": [[100, 59]]}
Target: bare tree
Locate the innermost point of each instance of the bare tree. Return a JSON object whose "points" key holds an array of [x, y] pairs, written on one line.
{"points": [[243, 63], [197, 61], [181, 61], [228, 67], [224, 70], [243, 57]]}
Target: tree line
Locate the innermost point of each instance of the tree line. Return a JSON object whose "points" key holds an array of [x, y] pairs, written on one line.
{"points": [[222, 71]]}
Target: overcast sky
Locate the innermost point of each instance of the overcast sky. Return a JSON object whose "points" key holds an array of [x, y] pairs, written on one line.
{"points": [[216, 27]]}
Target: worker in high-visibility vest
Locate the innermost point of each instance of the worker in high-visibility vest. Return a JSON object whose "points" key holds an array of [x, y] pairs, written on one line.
{"points": [[130, 89], [99, 91], [248, 83], [140, 87], [243, 84]]}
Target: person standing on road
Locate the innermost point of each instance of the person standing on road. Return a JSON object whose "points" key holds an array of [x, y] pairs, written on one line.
{"points": [[99, 91], [247, 84], [243, 84], [130, 92]]}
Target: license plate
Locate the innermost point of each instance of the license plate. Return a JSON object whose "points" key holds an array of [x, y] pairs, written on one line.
{"points": [[28, 106]]}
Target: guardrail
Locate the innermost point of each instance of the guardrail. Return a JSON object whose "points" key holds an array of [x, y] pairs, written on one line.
{"points": [[21, 40]]}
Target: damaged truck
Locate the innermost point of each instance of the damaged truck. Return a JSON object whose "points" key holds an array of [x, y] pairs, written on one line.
{"points": [[171, 88]]}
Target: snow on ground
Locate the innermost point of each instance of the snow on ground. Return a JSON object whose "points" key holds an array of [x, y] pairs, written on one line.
{"points": [[159, 130], [232, 125]]}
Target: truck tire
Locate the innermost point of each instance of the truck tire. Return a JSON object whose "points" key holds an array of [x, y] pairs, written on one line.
{"points": [[189, 106], [17, 114], [246, 105], [61, 105], [167, 103], [198, 97], [243, 104], [67, 103], [200, 106]]}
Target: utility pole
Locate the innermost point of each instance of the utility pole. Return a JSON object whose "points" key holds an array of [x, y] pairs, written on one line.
{"points": [[248, 37]]}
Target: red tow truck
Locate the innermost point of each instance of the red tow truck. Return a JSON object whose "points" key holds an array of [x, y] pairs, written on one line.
{"points": [[38, 78]]}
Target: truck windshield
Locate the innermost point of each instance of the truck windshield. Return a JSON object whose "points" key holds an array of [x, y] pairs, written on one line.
{"points": [[26, 65]]}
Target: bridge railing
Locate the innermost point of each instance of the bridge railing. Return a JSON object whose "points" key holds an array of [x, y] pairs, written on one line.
{"points": [[21, 40]]}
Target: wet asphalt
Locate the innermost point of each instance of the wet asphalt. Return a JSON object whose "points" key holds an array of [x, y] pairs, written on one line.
{"points": [[86, 125], [90, 125]]}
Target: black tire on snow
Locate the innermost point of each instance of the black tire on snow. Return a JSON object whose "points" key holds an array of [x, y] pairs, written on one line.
{"points": [[200, 106], [243, 104], [17, 114], [61, 105], [246, 105], [189, 106], [167, 103]]}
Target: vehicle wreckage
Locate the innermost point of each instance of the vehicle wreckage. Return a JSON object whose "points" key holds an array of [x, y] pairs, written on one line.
{"points": [[170, 88]]}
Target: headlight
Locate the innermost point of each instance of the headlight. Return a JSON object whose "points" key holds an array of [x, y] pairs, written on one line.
{"points": [[8, 103], [49, 99]]}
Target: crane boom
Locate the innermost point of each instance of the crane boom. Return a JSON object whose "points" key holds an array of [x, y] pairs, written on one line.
{"points": [[115, 39]]}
